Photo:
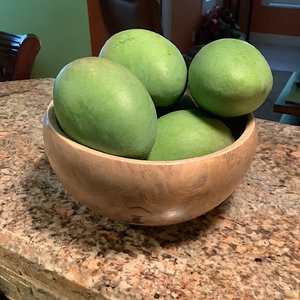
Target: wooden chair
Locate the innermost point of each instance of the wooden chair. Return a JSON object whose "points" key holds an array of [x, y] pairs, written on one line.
{"points": [[17, 55]]}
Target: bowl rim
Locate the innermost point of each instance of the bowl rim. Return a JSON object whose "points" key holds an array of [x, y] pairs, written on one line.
{"points": [[51, 122]]}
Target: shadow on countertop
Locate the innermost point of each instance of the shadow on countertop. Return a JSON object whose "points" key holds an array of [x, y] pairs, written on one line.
{"points": [[66, 221]]}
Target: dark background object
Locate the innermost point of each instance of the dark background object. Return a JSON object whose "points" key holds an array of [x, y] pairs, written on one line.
{"points": [[119, 15]]}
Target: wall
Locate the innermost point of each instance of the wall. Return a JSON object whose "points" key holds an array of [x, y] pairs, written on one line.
{"points": [[279, 21], [62, 27]]}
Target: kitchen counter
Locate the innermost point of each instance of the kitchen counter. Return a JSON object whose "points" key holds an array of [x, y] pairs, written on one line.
{"points": [[52, 247]]}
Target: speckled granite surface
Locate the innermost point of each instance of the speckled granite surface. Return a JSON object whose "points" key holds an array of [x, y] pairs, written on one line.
{"points": [[247, 248]]}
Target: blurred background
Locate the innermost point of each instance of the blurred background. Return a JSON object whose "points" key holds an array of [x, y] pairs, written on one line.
{"points": [[71, 29], [75, 28]]}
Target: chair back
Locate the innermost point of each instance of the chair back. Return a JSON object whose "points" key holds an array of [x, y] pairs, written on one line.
{"points": [[17, 55]]}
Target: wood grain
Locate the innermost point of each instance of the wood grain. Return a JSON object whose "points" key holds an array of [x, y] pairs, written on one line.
{"points": [[147, 192]]}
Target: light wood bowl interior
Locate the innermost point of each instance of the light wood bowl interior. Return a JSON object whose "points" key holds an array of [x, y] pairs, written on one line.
{"points": [[147, 192]]}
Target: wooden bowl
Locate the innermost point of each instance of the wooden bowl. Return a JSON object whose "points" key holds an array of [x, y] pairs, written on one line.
{"points": [[149, 192]]}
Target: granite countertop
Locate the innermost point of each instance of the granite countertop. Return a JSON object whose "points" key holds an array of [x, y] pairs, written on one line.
{"points": [[52, 247]]}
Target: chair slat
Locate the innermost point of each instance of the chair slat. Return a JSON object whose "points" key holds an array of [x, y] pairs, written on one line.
{"points": [[9, 43]]}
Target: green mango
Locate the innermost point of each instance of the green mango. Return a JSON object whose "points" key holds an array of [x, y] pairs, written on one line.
{"points": [[156, 61], [229, 78], [189, 133], [102, 105]]}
